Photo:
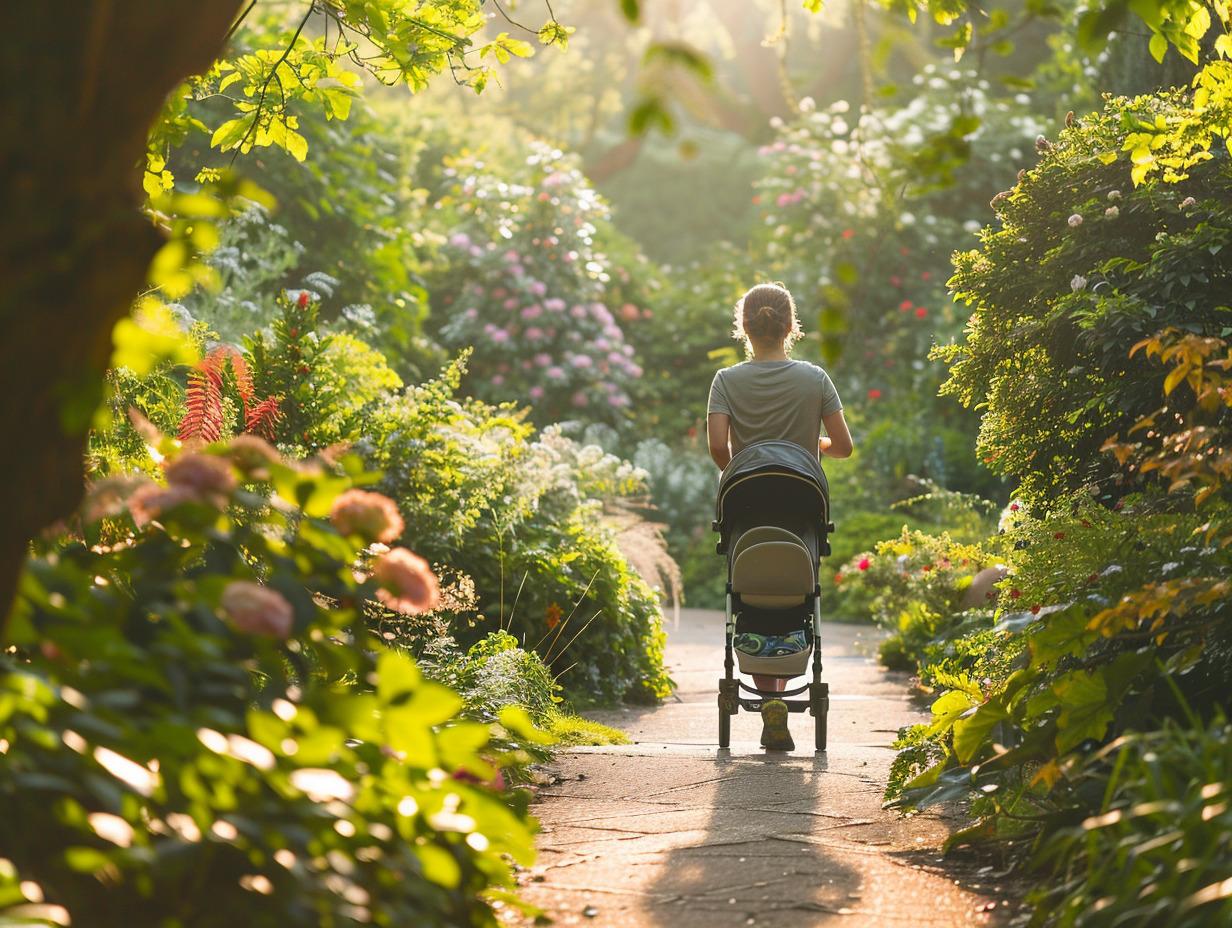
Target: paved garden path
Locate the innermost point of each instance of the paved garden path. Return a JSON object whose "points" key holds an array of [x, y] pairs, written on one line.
{"points": [[671, 832]]}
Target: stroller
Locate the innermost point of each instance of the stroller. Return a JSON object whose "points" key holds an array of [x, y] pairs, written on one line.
{"points": [[773, 519]]}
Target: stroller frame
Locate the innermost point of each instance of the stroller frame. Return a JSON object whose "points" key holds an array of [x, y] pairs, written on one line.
{"points": [[797, 516]]}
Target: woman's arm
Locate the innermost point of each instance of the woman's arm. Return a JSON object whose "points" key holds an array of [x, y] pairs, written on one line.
{"points": [[836, 443], [718, 437]]}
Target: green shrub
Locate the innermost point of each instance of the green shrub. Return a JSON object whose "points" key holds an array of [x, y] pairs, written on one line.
{"points": [[1151, 816], [520, 516], [199, 731]]}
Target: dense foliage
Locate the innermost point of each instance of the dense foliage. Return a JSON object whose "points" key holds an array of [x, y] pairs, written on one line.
{"points": [[199, 729], [1097, 345]]}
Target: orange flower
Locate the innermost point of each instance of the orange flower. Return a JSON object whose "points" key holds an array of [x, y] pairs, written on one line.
{"points": [[554, 614]]}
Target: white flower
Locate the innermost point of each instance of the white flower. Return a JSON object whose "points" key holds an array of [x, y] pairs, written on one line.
{"points": [[1112, 212], [1188, 202], [1114, 194], [1075, 221], [1078, 283]]}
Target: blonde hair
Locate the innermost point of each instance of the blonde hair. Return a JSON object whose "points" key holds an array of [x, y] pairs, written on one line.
{"points": [[767, 311]]}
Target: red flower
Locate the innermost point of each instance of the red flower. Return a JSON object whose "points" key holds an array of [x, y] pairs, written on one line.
{"points": [[838, 578], [927, 568], [874, 394], [553, 616], [303, 299], [1094, 578], [926, 276], [848, 233], [864, 564], [896, 281], [1035, 610], [756, 199], [904, 306], [921, 313], [1086, 523], [1013, 507], [1058, 535], [1014, 594]]}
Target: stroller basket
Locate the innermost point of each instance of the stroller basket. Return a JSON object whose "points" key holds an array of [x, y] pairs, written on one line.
{"points": [[773, 520]]}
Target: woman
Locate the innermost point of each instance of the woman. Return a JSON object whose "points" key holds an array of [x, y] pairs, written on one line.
{"points": [[773, 397]]}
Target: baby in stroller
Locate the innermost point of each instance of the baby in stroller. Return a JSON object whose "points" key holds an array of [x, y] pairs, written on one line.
{"points": [[765, 423]]}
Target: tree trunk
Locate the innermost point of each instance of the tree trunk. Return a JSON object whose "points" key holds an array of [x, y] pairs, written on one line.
{"points": [[83, 82]]}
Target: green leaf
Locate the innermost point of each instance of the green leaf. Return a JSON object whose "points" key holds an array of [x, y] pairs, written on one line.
{"points": [[232, 132], [1065, 633], [630, 9], [1085, 709], [1158, 47], [971, 731]]}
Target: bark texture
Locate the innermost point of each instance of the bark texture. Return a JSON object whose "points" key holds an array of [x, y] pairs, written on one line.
{"points": [[83, 80]]}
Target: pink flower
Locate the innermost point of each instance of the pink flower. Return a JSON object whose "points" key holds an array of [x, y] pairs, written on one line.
{"points": [[555, 373], [534, 311], [578, 312], [500, 335], [537, 287], [257, 610], [896, 281], [407, 582], [511, 303], [536, 392], [372, 516], [108, 498], [629, 312], [534, 333], [864, 564], [459, 240], [554, 305], [579, 399], [204, 477], [580, 360], [252, 454]]}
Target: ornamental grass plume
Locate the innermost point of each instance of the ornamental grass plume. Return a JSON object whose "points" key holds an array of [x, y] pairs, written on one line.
{"points": [[408, 583], [257, 610], [371, 516]]}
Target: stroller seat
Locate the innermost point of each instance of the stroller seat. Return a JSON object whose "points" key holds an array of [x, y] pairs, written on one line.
{"points": [[773, 518], [772, 568]]}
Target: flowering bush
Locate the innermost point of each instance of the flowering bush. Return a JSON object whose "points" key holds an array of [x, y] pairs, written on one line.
{"points": [[854, 229], [523, 517], [524, 283], [198, 728]]}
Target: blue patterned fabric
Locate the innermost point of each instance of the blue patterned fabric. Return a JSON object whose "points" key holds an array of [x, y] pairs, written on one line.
{"points": [[771, 645]]}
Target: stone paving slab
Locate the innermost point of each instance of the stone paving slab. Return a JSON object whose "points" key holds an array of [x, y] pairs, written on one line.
{"points": [[673, 832]]}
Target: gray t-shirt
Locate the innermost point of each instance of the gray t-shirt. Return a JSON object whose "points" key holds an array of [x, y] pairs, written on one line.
{"points": [[783, 400]]}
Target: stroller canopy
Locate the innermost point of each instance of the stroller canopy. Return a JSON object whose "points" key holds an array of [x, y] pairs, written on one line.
{"points": [[774, 476]]}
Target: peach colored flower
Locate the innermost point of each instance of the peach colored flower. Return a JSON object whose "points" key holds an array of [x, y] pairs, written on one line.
{"points": [[409, 584], [252, 454], [205, 477], [257, 610], [108, 498], [372, 516], [149, 502]]}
